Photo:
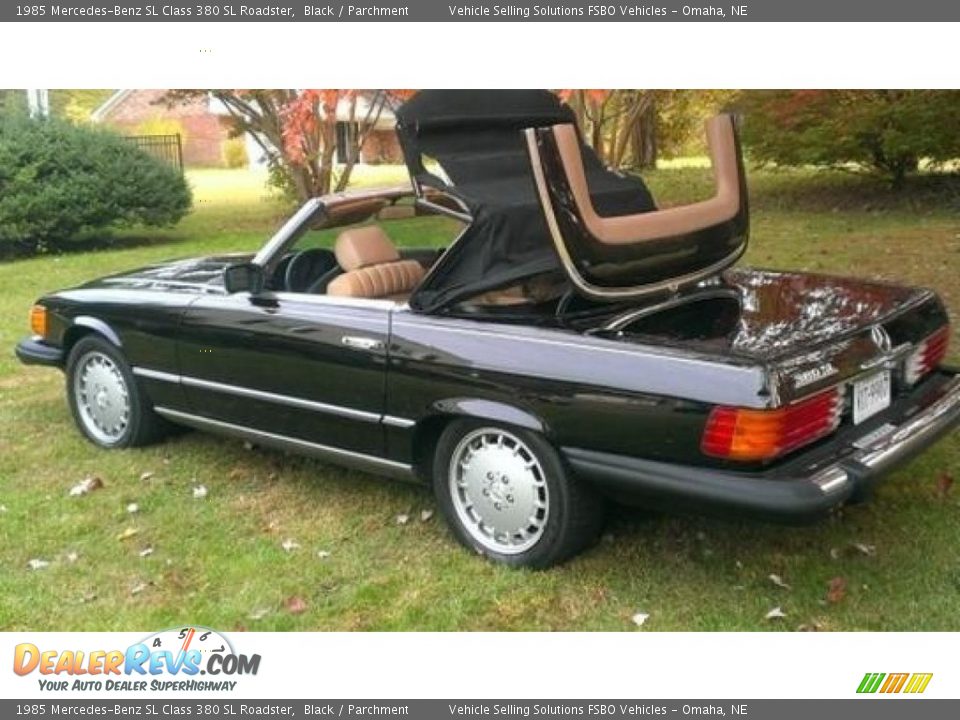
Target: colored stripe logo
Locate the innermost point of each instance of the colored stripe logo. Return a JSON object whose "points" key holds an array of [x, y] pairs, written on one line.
{"points": [[912, 683]]}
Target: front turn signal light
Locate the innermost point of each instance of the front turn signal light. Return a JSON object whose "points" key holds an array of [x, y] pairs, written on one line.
{"points": [[38, 320]]}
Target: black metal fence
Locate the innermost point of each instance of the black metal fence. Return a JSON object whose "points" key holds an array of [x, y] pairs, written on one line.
{"points": [[167, 148]]}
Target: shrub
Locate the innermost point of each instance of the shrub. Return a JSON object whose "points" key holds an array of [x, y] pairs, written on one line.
{"points": [[886, 132], [235, 153], [59, 181]]}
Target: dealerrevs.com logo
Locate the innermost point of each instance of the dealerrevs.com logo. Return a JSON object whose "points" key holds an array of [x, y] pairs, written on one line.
{"points": [[181, 659], [891, 683]]}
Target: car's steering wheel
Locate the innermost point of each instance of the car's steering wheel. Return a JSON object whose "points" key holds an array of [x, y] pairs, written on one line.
{"points": [[306, 267]]}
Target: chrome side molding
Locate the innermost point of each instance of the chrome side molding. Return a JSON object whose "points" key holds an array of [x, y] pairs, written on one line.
{"points": [[349, 458], [289, 400]]}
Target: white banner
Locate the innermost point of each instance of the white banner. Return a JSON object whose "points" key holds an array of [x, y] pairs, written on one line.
{"points": [[472, 665]]}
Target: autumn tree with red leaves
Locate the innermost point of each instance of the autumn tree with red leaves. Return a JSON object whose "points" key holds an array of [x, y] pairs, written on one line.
{"points": [[297, 130]]}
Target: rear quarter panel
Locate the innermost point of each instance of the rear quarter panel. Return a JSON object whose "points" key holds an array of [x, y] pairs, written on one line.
{"points": [[584, 391]]}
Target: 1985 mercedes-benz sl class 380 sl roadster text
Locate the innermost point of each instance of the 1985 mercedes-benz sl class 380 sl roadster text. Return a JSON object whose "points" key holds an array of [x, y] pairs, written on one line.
{"points": [[571, 344]]}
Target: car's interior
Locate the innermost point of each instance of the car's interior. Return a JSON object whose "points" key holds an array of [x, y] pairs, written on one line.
{"points": [[365, 262]]}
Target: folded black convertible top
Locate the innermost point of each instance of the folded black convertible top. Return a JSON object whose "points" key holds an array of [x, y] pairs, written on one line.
{"points": [[476, 137]]}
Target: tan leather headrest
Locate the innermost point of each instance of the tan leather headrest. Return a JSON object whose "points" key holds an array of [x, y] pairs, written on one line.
{"points": [[363, 246]]}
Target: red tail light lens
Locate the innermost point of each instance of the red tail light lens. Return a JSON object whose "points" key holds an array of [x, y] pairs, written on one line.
{"points": [[744, 434], [928, 355]]}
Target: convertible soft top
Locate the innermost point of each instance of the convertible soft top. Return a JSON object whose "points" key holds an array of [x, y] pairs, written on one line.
{"points": [[477, 138], [537, 199]]}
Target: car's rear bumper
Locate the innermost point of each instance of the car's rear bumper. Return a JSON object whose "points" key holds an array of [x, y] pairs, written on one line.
{"points": [[843, 469], [33, 351]]}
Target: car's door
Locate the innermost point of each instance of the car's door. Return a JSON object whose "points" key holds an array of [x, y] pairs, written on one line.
{"points": [[296, 365]]}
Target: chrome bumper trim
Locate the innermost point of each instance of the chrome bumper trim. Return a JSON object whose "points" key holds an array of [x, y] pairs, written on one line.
{"points": [[930, 421], [889, 449]]}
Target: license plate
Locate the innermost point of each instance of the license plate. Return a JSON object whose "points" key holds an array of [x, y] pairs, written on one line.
{"points": [[870, 396]]}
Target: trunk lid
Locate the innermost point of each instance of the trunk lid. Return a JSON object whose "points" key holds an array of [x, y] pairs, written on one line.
{"points": [[808, 331]]}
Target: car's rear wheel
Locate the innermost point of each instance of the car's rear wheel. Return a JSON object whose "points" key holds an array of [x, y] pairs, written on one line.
{"points": [[506, 494], [106, 403]]}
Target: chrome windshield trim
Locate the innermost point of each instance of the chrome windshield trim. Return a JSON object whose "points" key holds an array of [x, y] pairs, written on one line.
{"points": [[289, 400], [291, 229], [362, 461]]}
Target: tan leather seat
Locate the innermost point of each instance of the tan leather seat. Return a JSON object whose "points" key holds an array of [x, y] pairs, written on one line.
{"points": [[372, 266]]}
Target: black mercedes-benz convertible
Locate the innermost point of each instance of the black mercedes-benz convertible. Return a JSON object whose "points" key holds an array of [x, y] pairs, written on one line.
{"points": [[572, 343]]}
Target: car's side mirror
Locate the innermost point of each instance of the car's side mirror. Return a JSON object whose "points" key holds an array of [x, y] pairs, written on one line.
{"points": [[243, 277]]}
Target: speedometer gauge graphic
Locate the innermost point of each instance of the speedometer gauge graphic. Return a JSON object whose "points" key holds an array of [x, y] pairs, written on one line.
{"points": [[179, 641]]}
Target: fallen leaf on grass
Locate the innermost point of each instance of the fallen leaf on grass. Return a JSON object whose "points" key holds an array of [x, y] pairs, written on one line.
{"points": [[295, 605], [835, 553], [403, 519], [72, 556], [323, 554], [3, 508], [778, 581], [864, 549], [290, 545], [810, 627], [640, 618], [37, 564], [146, 476], [87, 485], [133, 508], [425, 515], [944, 483], [200, 492], [127, 534], [836, 590], [259, 614], [775, 614], [138, 588], [146, 552]]}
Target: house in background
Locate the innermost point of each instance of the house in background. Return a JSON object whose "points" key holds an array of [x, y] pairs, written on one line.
{"points": [[204, 127]]}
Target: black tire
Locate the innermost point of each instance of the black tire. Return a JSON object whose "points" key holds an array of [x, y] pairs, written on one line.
{"points": [[143, 426], [575, 515]]}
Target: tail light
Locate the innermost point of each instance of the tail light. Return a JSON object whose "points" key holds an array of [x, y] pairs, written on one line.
{"points": [[745, 434], [927, 356]]}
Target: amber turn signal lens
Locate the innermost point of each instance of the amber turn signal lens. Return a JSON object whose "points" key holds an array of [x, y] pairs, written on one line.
{"points": [[38, 320]]}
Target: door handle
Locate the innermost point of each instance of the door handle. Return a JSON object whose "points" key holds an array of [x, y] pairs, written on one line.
{"points": [[360, 342]]}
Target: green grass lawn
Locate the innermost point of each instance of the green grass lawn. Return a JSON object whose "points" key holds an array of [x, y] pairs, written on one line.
{"points": [[220, 560]]}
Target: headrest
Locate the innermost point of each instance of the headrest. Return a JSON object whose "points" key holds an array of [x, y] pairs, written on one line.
{"points": [[364, 246]]}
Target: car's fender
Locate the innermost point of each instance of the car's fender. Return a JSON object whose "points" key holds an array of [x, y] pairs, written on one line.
{"points": [[99, 326], [493, 410]]}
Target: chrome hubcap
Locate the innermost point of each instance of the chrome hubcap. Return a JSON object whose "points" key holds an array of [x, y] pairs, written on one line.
{"points": [[102, 397], [499, 491]]}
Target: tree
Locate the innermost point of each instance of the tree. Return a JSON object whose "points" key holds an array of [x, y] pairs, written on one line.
{"points": [[883, 132], [297, 130], [633, 128]]}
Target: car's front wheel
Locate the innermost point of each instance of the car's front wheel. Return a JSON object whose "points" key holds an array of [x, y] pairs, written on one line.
{"points": [[106, 403], [506, 494]]}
